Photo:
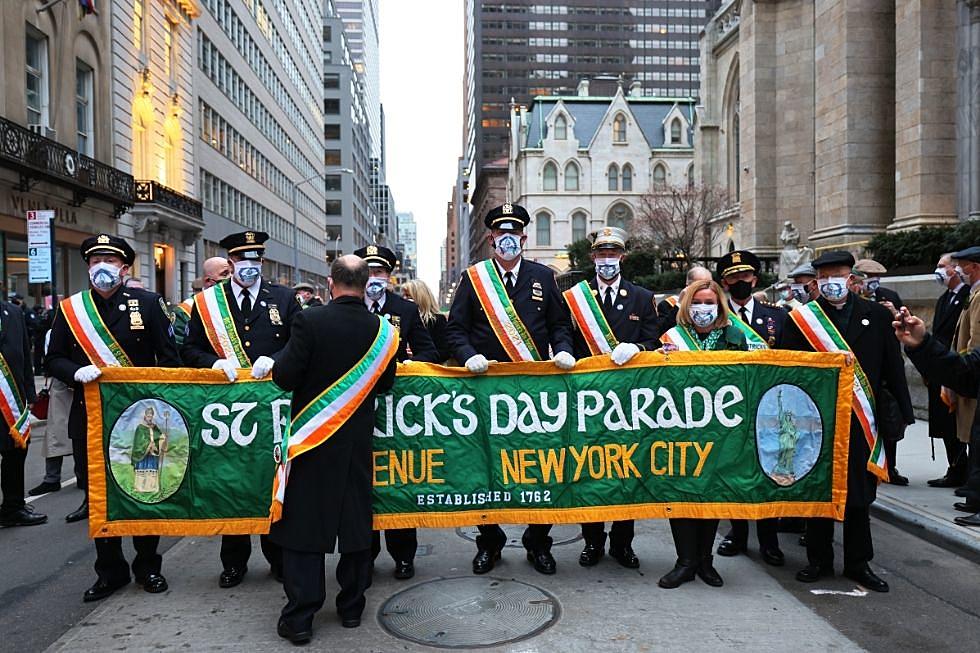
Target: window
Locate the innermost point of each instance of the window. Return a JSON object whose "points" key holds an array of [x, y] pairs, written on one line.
{"points": [[675, 132], [619, 129], [561, 128], [83, 108], [331, 132], [571, 177], [627, 177], [139, 24], [331, 80], [170, 50], [334, 207], [542, 223], [659, 176], [690, 176], [550, 176], [332, 158], [331, 107], [37, 78], [333, 182], [327, 33], [579, 226], [613, 174], [620, 215]]}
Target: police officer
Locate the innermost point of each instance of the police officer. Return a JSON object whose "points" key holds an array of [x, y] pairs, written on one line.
{"points": [[137, 321], [261, 312], [305, 295], [530, 287], [739, 274], [629, 310], [415, 344]]}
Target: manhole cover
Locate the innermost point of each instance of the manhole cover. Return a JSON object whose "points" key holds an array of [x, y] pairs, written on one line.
{"points": [[560, 534], [469, 611]]}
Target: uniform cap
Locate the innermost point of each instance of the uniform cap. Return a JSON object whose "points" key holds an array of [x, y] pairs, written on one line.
{"points": [[108, 244], [248, 244], [738, 261], [609, 238], [507, 216], [378, 255]]}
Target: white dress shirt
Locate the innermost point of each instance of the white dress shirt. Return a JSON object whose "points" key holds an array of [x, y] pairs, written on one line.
{"points": [[253, 291]]}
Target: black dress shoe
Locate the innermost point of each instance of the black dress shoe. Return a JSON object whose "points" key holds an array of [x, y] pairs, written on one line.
{"points": [[44, 488], [153, 583], [404, 569], [972, 520], [813, 573], [78, 514], [730, 547], [802, 540], [897, 479], [625, 556], [23, 517], [231, 577], [484, 560], [708, 573], [543, 561], [773, 556], [591, 555], [298, 637], [102, 589], [967, 506], [350, 622], [945, 481], [866, 578], [680, 574]]}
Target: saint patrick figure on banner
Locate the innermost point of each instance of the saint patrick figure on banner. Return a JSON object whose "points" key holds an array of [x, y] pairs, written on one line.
{"points": [[149, 449]]}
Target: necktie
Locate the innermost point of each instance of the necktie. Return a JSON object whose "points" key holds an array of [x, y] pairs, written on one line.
{"points": [[509, 282], [246, 303], [742, 313], [376, 308], [607, 302]]}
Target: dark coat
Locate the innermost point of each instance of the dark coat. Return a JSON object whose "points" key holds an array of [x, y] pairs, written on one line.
{"points": [[942, 422], [883, 294], [151, 346], [260, 335], [538, 303], [437, 331], [412, 333], [328, 496], [633, 318], [871, 338], [15, 345], [667, 315], [769, 321]]}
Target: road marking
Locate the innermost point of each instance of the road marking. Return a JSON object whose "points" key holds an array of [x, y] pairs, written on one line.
{"points": [[64, 484], [857, 591]]}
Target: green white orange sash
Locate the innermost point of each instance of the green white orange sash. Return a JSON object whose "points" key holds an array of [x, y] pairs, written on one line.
{"points": [[753, 339], [681, 338], [13, 407], [90, 331], [500, 312], [321, 418], [822, 335], [219, 325], [590, 319]]}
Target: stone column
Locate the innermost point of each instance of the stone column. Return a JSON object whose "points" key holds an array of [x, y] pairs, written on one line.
{"points": [[968, 110]]}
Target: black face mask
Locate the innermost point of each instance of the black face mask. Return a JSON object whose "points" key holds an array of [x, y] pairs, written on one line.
{"points": [[740, 290]]}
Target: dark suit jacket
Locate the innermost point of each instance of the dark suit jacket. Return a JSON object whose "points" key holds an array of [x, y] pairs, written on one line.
{"points": [[538, 303], [15, 345], [405, 315], [668, 315], [942, 423], [328, 496], [872, 340], [883, 294], [437, 331], [151, 346], [633, 318], [259, 334]]}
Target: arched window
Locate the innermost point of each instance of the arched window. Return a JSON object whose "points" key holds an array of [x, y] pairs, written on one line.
{"points": [[561, 128], [579, 226], [542, 222], [690, 176], [550, 176], [619, 129], [571, 176], [675, 132], [627, 177], [659, 176], [620, 215], [613, 174], [736, 155]]}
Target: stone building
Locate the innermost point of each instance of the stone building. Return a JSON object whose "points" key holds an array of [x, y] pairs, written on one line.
{"points": [[581, 162], [845, 117]]}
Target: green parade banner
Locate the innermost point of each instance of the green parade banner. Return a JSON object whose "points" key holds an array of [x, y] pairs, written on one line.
{"points": [[744, 435]]}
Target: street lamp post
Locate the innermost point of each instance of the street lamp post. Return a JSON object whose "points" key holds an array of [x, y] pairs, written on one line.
{"points": [[296, 186]]}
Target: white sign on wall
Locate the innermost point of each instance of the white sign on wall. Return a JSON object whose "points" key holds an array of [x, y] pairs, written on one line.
{"points": [[39, 246]]}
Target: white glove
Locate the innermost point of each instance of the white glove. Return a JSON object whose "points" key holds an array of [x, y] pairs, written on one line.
{"points": [[477, 364], [229, 368], [261, 367], [623, 352], [87, 374], [563, 360]]}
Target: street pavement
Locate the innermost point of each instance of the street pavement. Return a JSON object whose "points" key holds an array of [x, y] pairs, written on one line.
{"points": [[932, 606]]}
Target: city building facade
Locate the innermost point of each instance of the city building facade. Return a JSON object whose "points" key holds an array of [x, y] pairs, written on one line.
{"points": [[408, 245], [361, 19]]}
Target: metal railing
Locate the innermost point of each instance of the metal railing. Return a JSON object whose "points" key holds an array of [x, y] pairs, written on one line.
{"points": [[155, 193]]}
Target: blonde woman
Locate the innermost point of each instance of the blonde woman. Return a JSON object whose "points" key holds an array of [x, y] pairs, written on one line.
{"points": [[435, 322]]}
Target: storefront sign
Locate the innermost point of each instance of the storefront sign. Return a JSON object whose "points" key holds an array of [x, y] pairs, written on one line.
{"points": [[39, 246]]}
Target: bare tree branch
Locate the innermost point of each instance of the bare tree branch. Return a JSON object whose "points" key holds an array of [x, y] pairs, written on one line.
{"points": [[676, 218]]}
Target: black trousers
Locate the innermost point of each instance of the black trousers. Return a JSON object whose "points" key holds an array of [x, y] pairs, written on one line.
{"points": [[858, 549], [79, 456], [620, 534], [766, 529], [694, 540], [494, 538], [110, 563], [236, 550], [304, 578], [12, 479], [891, 452], [956, 456], [401, 544]]}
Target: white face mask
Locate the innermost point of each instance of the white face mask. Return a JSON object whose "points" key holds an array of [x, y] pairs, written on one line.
{"points": [[375, 288], [834, 289], [105, 276], [704, 314], [247, 272], [508, 246], [799, 292], [607, 268], [941, 277]]}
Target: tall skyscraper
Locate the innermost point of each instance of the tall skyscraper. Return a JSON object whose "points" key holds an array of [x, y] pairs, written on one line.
{"points": [[408, 243], [361, 19]]}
